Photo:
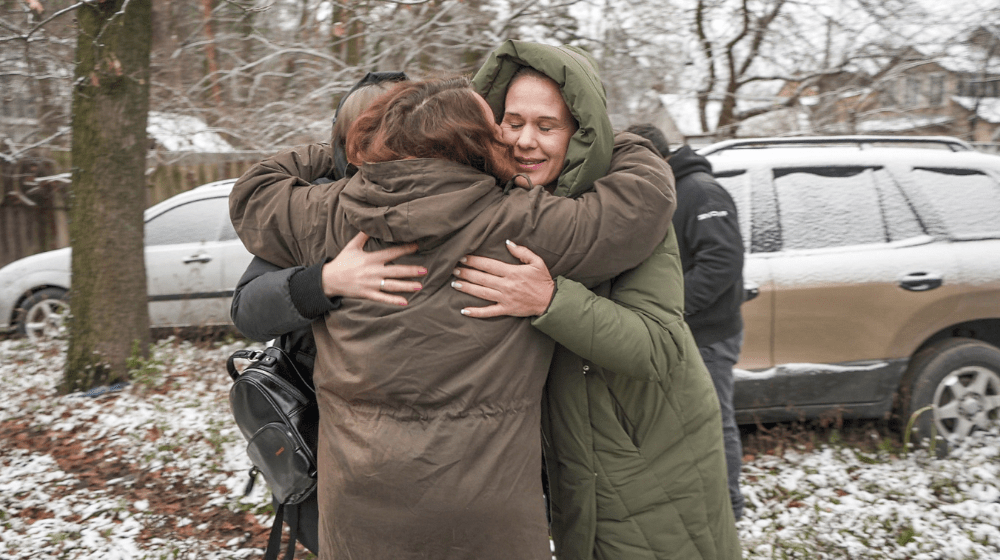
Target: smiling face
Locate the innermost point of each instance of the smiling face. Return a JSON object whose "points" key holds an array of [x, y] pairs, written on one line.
{"points": [[538, 124]]}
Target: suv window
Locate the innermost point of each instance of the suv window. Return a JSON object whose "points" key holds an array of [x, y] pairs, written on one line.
{"points": [[737, 185], [828, 208], [200, 220], [901, 221], [964, 202], [818, 207]]}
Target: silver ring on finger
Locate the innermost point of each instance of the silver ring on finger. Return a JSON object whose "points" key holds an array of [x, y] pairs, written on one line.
{"points": [[382, 285]]}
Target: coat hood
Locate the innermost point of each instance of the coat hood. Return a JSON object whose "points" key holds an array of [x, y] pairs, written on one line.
{"points": [[416, 200], [589, 155], [685, 161]]}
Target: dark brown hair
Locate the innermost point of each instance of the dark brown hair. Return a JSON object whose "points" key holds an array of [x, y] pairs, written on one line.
{"points": [[439, 119]]}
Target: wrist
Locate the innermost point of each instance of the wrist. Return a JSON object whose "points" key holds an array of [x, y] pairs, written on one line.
{"points": [[307, 294], [545, 302], [330, 282]]}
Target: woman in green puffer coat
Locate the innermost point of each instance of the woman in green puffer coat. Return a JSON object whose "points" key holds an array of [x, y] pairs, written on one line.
{"points": [[631, 425]]}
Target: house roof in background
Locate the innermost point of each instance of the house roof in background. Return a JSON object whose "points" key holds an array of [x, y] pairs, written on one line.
{"points": [[988, 108], [900, 124], [183, 133]]}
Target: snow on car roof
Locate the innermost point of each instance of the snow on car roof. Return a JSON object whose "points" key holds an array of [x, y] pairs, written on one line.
{"points": [[847, 156], [184, 133], [208, 190]]}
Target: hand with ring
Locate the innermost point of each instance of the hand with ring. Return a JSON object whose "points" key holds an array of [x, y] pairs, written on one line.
{"points": [[356, 273], [523, 290]]}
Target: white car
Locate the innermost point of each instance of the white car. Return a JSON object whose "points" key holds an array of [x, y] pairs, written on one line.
{"points": [[193, 262]]}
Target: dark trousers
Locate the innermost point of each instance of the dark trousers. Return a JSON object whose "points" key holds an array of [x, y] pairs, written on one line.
{"points": [[719, 358]]}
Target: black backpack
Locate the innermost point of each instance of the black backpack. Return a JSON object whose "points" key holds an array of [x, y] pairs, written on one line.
{"points": [[274, 403]]}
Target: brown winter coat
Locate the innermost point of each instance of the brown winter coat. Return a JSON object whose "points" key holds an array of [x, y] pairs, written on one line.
{"points": [[430, 421]]}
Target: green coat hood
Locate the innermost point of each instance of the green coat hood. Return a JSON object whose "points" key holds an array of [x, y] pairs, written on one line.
{"points": [[589, 155]]}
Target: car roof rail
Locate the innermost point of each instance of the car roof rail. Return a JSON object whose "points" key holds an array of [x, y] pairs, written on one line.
{"points": [[861, 141]]}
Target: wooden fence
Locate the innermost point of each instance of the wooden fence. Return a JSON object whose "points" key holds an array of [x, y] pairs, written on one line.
{"points": [[33, 211]]}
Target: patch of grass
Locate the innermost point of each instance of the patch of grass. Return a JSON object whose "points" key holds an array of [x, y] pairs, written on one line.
{"points": [[869, 436], [905, 536], [867, 458], [61, 536], [834, 438], [147, 372], [215, 438]]}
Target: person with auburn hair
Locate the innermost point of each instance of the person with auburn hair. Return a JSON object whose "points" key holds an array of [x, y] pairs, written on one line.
{"points": [[429, 442], [275, 303], [436, 120]]}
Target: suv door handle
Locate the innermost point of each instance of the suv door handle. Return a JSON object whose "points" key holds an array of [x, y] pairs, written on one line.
{"points": [[920, 281], [203, 258]]}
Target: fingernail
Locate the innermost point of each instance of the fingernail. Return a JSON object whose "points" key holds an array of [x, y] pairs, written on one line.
{"points": [[457, 272], [456, 285], [417, 288], [511, 243], [465, 312], [463, 259], [423, 271]]}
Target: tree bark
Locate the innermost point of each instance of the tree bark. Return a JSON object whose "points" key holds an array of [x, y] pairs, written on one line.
{"points": [[210, 57], [708, 52], [109, 320]]}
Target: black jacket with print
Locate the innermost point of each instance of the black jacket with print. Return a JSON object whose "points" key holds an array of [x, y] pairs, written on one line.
{"points": [[711, 247]]}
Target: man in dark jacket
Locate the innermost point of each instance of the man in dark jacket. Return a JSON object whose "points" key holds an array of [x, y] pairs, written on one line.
{"points": [[711, 247]]}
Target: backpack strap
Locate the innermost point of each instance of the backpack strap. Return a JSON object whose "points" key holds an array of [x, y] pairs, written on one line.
{"points": [[274, 540], [293, 529], [252, 355]]}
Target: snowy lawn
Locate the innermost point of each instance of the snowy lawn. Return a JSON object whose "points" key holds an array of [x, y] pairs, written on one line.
{"points": [[156, 469]]}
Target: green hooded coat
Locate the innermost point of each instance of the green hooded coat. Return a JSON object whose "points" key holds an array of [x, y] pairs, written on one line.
{"points": [[631, 425]]}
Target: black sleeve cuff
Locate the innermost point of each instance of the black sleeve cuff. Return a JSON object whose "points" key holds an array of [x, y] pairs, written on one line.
{"points": [[306, 289]]}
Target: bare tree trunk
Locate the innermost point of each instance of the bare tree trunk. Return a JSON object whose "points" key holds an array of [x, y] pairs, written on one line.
{"points": [[213, 64], [110, 317], [346, 32], [707, 51], [752, 26]]}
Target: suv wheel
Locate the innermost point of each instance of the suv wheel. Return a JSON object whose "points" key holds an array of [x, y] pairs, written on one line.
{"points": [[961, 378], [42, 315]]}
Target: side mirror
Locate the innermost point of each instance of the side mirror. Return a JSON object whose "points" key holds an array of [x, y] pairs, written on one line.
{"points": [[750, 290]]}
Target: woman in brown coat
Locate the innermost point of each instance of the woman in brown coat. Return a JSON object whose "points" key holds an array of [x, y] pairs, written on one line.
{"points": [[429, 436]]}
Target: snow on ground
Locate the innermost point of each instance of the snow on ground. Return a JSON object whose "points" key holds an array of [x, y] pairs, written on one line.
{"points": [[156, 469], [152, 470]]}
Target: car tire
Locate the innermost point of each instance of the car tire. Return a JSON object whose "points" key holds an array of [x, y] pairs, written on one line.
{"points": [[42, 315], [961, 378]]}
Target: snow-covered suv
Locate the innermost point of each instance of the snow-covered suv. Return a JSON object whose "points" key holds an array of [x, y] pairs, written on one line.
{"points": [[873, 264]]}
